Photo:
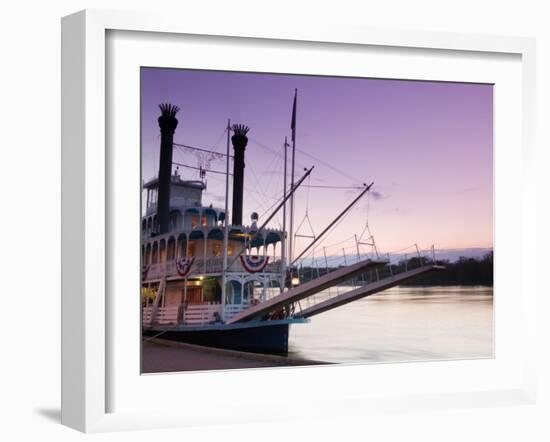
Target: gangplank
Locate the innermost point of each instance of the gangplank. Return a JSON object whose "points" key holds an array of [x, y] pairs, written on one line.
{"points": [[366, 290], [307, 289]]}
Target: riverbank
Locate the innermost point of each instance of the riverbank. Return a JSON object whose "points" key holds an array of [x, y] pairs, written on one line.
{"points": [[162, 356]]}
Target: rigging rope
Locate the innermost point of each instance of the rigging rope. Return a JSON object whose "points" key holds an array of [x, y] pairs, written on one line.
{"points": [[315, 186], [403, 249], [330, 230], [330, 166], [306, 218], [214, 148]]}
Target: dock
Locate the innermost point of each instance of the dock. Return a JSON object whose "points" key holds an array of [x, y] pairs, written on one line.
{"points": [[162, 356]]}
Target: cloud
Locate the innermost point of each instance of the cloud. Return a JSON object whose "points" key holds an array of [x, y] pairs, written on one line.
{"points": [[378, 195]]}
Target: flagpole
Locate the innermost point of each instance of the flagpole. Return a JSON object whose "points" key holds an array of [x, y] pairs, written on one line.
{"points": [[293, 127], [283, 249], [226, 219]]}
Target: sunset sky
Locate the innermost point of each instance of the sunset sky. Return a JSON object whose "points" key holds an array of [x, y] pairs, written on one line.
{"points": [[428, 147]]}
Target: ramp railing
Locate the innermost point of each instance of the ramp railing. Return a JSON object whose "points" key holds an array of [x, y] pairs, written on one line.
{"points": [[403, 260]]}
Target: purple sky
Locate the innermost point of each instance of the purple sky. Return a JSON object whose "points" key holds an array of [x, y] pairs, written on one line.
{"points": [[428, 146]]}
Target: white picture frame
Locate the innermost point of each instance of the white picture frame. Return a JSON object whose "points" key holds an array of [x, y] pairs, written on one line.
{"points": [[86, 350]]}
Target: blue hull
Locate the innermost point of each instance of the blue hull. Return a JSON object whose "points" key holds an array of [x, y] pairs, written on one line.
{"points": [[256, 336]]}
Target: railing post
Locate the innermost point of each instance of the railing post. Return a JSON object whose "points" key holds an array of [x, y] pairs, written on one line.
{"points": [[353, 280], [326, 264], [205, 233], [185, 280], [418, 254], [359, 257]]}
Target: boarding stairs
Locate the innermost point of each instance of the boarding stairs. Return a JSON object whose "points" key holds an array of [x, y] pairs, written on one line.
{"points": [[366, 290]]}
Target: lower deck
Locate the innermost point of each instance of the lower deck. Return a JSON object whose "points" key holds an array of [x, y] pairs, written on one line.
{"points": [[189, 314], [199, 300]]}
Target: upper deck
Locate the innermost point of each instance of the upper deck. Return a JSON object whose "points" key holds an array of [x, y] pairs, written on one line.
{"points": [[204, 244], [197, 232]]}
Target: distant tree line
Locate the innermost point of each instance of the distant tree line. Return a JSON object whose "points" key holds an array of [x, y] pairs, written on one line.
{"points": [[464, 271]]}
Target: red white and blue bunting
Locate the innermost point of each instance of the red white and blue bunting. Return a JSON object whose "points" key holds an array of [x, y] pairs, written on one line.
{"points": [[254, 263], [183, 265]]}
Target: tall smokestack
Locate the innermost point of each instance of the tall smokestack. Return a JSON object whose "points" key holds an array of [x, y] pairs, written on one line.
{"points": [[168, 124], [239, 140]]}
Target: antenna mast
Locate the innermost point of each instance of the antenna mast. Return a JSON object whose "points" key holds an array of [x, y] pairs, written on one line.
{"points": [[293, 127], [283, 245], [226, 217]]}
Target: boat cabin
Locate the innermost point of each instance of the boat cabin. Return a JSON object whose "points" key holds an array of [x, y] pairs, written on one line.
{"points": [[189, 257]]}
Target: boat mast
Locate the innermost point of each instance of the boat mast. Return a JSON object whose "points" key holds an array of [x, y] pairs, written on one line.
{"points": [[283, 244], [226, 217], [293, 127]]}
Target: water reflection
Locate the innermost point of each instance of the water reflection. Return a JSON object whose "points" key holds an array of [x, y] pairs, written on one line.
{"points": [[401, 324]]}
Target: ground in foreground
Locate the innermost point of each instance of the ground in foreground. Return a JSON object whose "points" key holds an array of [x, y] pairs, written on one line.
{"points": [[161, 356]]}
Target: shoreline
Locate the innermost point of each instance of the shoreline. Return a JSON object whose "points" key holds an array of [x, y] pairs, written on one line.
{"points": [[164, 356]]}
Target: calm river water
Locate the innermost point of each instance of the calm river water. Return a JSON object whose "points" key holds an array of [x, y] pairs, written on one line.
{"points": [[401, 324]]}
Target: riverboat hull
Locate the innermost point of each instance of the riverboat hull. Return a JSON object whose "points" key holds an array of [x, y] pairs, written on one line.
{"points": [[269, 337]]}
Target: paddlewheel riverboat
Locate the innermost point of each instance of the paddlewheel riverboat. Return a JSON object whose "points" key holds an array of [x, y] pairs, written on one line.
{"points": [[212, 282]]}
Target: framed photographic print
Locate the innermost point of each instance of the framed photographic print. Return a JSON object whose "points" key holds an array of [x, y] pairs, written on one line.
{"points": [[323, 214]]}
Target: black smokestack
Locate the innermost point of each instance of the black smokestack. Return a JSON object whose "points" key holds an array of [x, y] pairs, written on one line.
{"points": [[239, 140], [168, 124]]}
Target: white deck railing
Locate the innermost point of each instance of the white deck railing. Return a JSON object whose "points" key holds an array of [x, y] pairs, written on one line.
{"points": [[164, 315], [194, 314]]}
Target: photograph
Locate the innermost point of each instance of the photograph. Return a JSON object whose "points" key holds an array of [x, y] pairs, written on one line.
{"points": [[301, 220]]}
